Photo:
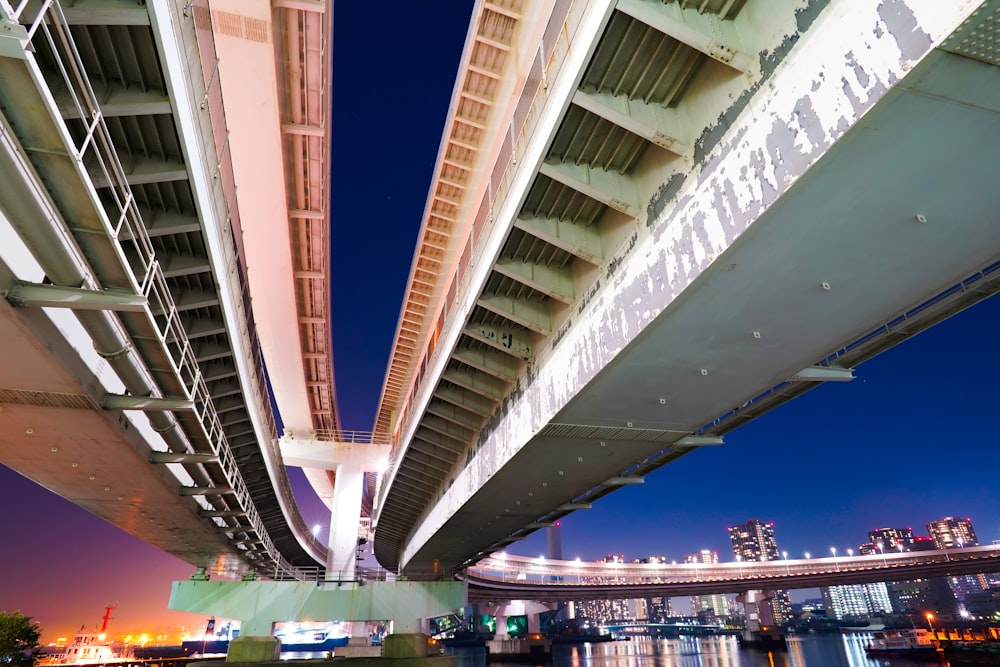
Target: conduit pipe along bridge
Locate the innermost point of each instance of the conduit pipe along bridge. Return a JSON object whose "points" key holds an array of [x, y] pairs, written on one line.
{"points": [[654, 220], [504, 576], [137, 216]]}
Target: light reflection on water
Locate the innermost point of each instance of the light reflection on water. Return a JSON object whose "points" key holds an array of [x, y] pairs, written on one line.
{"points": [[307, 655], [803, 651]]}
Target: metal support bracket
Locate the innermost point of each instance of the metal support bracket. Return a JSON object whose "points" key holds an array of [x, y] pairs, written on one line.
{"points": [[145, 403], [22, 295]]}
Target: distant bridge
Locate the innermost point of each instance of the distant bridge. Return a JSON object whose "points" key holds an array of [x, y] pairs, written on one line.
{"points": [[522, 578]]}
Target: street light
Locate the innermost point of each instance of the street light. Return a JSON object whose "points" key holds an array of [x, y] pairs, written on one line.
{"points": [[808, 556], [784, 554], [930, 622], [833, 550], [739, 559]]}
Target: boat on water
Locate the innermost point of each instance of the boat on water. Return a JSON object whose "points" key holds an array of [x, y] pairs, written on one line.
{"points": [[299, 638], [91, 648], [915, 642], [310, 639]]}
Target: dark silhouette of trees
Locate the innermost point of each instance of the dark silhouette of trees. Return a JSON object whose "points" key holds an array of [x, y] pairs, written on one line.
{"points": [[19, 637]]}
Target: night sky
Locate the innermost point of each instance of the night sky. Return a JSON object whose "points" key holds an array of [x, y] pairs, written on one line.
{"points": [[912, 439]]}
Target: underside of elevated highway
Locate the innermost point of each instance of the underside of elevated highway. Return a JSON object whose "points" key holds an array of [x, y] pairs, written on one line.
{"points": [[708, 211], [131, 371]]}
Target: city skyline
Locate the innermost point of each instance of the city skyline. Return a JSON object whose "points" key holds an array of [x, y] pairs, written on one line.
{"points": [[848, 456]]}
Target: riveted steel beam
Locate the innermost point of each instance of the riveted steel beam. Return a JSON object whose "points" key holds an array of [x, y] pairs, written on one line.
{"points": [[143, 171], [578, 240], [106, 12], [656, 124], [532, 315], [690, 27], [499, 365], [455, 414], [437, 439], [475, 381], [556, 283], [115, 100], [615, 191]]}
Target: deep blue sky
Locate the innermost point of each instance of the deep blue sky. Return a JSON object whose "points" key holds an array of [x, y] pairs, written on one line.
{"points": [[912, 439]]}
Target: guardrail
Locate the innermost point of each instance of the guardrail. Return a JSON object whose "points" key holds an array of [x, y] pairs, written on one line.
{"points": [[353, 437]]}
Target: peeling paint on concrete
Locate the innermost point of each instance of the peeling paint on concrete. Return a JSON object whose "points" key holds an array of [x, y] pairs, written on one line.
{"points": [[859, 73], [845, 61], [902, 25]]}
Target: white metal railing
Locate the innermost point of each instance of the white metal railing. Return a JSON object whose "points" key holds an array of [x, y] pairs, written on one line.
{"points": [[353, 437], [548, 572]]}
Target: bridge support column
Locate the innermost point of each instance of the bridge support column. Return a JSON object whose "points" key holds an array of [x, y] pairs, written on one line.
{"points": [[532, 644], [260, 604], [344, 521], [254, 648], [350, 461], [530, 609], [760, 631], [359, 644]]}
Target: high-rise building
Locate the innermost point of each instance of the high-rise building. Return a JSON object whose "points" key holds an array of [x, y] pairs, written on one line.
{"points": [[965, 585], [607, 611], [921, 543], [703, 603], [656, 560], [813, 604], [602, 611], [886, 540], [843, 602], [856, 600], [877, 598], [659, 609], [754, 542], [553, 536], [949, 533], [952, 533], [919, 595]]}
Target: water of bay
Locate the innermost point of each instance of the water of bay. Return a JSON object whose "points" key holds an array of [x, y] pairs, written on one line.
{"points": [[803, 651]]}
